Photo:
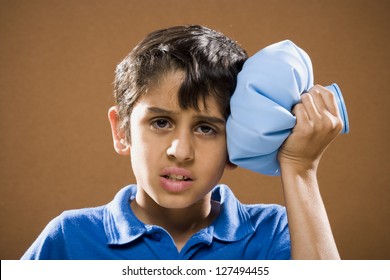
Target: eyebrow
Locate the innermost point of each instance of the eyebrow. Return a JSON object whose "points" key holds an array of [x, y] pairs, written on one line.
{"points": [[200, 117]]}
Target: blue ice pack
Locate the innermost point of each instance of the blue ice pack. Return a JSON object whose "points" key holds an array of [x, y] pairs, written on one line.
{"points": [[269, 85]]}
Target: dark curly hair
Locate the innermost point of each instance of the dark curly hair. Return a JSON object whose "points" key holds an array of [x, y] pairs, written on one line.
{"points": [[210, 62]]}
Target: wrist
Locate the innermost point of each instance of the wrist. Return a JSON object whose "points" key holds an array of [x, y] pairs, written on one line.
{"points": [[297, 177], [298, 167]]}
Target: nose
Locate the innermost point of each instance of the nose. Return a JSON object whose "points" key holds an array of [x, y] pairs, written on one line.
{"points": [[181, 148]]}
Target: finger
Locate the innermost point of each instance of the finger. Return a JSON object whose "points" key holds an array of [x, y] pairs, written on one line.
{"points": [[330, 102], [300, 113], [325, 103], [310, 108], [316, 93]]}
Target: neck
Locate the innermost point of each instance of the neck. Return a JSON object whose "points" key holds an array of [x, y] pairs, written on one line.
{"points": [[180, 223]]}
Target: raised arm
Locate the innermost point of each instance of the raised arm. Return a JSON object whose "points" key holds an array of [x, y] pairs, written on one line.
{"points": [[318, 124]]}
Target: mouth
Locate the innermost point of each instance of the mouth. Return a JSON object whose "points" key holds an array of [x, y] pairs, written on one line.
{"points": [[176, 180], [176, 174], [176, 177]]}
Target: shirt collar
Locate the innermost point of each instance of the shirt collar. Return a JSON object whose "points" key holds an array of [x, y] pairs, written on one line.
{"points": [[120, 223], [233, 222], [122, 226]]}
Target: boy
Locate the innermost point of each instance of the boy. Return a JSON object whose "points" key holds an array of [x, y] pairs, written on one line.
{"points": [[172, 101]]}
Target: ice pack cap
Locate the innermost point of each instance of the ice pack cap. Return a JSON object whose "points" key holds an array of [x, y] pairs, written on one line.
{"points": [[341, 104], [269, 85]]}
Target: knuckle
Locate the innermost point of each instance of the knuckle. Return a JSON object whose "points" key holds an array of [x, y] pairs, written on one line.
{"points": [[298, 107], [339, 125], [305, 97], [333, 123], [315, 94], [328, 94], [317, 88]]}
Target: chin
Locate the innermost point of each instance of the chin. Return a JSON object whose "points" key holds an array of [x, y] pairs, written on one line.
{"points": [[174, 205], [175, 202]]}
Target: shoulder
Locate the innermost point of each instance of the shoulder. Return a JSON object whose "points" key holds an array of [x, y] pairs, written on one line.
{"points": [[52, 243], [271, 218], [73, 218], [78, 217], [264, 226], [75, 231], [253, 213], [266, 213], [271, 230], [94, 216], [74, 222]]}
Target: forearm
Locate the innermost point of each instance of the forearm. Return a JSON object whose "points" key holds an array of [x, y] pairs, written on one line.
{"points": [[310, 231]]}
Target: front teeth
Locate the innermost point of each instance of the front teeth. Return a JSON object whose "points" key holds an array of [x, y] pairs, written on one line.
{"points": [[175, 177]]}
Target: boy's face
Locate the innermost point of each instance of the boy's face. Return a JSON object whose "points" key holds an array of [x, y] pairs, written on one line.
{"points": [[177, 155]]}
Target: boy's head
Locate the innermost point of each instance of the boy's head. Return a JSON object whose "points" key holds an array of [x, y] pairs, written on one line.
{"points": [[209, 60], [172, 101]]}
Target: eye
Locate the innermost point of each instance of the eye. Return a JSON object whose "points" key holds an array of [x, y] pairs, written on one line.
{"points": [[161, 124], [206, 130]]}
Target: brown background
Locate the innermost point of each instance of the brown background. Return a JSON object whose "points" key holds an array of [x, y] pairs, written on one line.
{"points": [[56, 70]]}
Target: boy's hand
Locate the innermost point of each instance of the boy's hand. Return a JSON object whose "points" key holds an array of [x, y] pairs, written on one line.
{"points": [[318, 124]]}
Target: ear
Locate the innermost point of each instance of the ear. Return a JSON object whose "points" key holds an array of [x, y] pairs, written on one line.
{"points": [[118, 135]]}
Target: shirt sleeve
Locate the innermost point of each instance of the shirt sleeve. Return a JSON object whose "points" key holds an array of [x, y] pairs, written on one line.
{"points": [[49, 245]]}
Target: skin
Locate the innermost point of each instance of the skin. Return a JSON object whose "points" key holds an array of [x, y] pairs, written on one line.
{"points": [[318, 124], [165, 136]]}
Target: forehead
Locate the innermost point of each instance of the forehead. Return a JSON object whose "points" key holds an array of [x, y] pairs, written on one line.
{"points": [[164, 93]]}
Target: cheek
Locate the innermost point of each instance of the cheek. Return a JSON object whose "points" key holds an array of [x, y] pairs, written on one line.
{"points": [[142, 163], [139, 150], [145, 151], [214, 157]]}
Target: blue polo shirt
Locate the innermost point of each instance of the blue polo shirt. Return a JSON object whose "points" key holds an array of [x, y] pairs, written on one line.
{"points": [[113, 231]]}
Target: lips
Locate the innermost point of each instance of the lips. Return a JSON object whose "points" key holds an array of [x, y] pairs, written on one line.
{"points": [[175, 179], [178, 174]]}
